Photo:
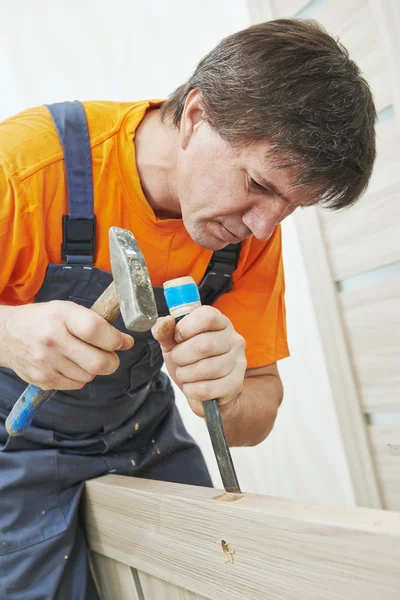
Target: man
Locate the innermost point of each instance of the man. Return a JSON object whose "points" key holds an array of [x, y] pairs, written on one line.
{"points": [[277, 116]]}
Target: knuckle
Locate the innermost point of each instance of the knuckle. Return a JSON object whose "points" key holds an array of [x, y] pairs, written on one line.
{"points": [[42, 382], [98, 366], [203, 347], [55, 307], [206, 371], [210, 313], [179, 374], [240, 342], [42, 360], [67, 385], [79, 385], [199, 391], [43, 379], [176, 354], [48, 340], [88, 378], [91, 327], [104, 365], [51, 383], [208, 310]]}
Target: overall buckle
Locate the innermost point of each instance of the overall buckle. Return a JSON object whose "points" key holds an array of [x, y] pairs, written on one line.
{"points": [[79, 237]]}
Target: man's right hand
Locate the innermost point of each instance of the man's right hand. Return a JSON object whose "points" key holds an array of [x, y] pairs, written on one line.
{"points": [[59, 344]]}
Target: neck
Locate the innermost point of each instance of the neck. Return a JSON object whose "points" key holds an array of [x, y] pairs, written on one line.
{"points": [[155, 144]]}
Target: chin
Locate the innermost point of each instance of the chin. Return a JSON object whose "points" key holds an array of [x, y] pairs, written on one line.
{"points": [[204, 238]]}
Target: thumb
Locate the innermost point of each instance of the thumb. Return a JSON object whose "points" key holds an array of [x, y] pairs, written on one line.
{"points": [[126, 342], [163, 331]]}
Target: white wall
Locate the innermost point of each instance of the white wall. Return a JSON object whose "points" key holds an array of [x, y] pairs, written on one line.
{"points": [[53, 50]]}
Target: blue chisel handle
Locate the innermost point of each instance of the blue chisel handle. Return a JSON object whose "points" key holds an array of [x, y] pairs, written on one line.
{"points": [[24, 409]]}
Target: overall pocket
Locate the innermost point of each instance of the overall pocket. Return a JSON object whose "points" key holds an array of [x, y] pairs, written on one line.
{"points": [[30, 510]]}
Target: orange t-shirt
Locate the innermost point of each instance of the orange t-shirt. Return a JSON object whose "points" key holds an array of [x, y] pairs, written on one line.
{"points": [[33, 199]]}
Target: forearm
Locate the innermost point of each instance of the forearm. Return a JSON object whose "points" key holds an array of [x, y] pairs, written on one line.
{"points": [[5, 311], [249, 419]]}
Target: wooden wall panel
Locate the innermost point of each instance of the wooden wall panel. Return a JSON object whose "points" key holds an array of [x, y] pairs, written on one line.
{"points": [[285, 8], [372, 322], [362, 40], [366, 236], [385, 440], [274, 549], [355, 25], [358, 241]]}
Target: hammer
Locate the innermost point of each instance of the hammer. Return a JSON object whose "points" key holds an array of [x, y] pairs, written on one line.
{"points": [[130, 294]]}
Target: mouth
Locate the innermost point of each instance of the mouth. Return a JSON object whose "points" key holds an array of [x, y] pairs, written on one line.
{"points": [[228, 236]]}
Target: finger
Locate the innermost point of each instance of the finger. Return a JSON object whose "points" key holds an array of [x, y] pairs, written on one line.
{"points": [[127, 342], [89, 327], [65, 384], [204, 345], [91, 359], [57, 381], [202, 319], [163, 332], [206, 369], [224, 388], [72, 371]]}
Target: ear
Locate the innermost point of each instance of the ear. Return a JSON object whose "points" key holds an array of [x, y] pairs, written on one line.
{"points": [[193, 114]]}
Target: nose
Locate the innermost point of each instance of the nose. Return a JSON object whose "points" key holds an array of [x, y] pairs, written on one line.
{"points": [[263, 217]]}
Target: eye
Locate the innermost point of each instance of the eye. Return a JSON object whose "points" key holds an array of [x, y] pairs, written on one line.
{"points": [[257, 186]]}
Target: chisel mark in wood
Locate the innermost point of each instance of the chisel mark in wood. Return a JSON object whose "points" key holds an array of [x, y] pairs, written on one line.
{"points": [[228, 550], [228, 497]]}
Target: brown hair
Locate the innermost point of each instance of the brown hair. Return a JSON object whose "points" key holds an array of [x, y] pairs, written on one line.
{"points": [[290, 83]]}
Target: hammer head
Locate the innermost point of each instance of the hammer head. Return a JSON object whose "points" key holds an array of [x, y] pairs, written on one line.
{"points": [[132, 281]]}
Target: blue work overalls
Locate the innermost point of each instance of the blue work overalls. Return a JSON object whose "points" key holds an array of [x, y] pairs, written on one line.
{"points": [[126, 423]]}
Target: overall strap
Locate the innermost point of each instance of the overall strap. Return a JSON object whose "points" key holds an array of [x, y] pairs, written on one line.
{"points": [[79, 226], [218, 276], [217, 279]]}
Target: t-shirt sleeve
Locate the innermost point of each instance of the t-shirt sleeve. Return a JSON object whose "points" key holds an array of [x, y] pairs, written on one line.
{"points": [[256, 305], [20, 256]]}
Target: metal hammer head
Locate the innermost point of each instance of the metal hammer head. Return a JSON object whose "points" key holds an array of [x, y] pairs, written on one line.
{"points": [[132, 281]]}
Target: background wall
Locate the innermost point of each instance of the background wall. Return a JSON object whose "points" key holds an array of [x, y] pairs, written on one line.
{"points": [[58, 50]]}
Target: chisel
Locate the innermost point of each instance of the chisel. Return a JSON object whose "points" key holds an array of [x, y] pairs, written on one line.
{"points": [[182, 297]]}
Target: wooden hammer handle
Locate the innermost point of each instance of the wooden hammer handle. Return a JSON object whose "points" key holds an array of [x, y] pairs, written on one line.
{"points": [[107, 305]]}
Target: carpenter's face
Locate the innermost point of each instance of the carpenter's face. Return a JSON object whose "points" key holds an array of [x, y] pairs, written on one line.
{"points": [[228, 194]]}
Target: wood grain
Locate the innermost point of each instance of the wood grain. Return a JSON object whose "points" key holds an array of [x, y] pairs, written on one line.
{"points": [[107, 305], [156, 589], [372, 321], [355, 24], [385, 440], [286, 8], [338, 361], [281, 549], [367, 236], [114, 579]]}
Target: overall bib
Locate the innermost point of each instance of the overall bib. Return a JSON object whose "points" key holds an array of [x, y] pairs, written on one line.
{"points": [[125, 423]]}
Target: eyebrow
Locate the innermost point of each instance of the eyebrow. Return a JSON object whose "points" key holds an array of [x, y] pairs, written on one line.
{"points": [[268, 184], [271, 186]]}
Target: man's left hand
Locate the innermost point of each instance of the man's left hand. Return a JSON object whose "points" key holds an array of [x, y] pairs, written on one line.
{"points": [[204, 355]]}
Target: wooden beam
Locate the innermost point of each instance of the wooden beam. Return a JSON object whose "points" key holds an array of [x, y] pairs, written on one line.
{"points": [[114, 579], [231, 547], [156, 589]]}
